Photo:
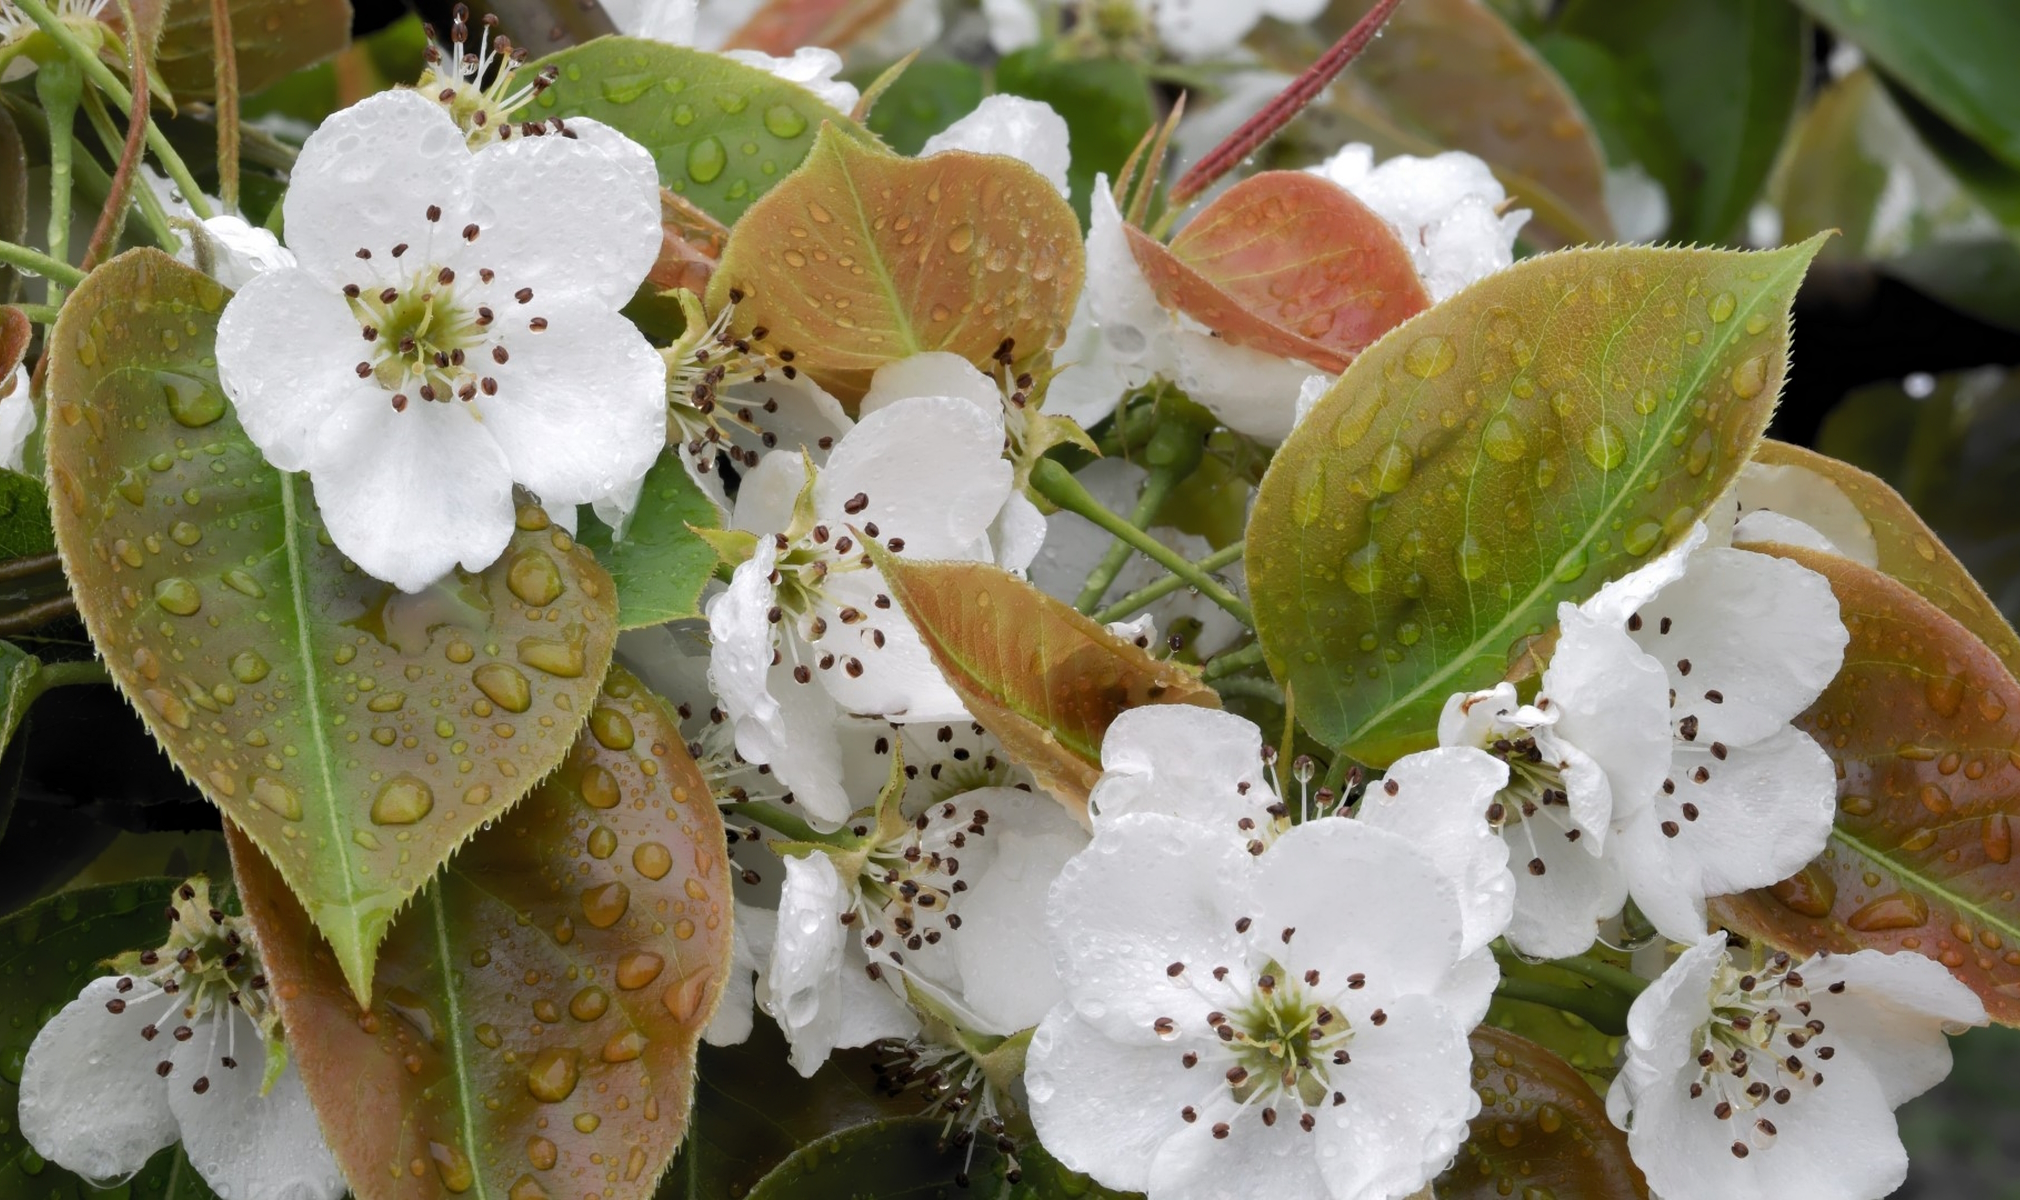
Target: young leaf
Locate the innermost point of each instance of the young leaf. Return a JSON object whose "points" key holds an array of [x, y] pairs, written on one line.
{"points": [[358, 734], [1547, 429], [16, 331], [48, 952], [538, 1008], [272, 38], [696, 112], [1289, 264], [864, 258], [1908, 550], [1541, 1131], [661, 564], [1044, 679], [1921, 722]]}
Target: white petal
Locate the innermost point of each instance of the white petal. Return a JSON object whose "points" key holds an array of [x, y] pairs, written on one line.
{"points": [[17, 418], [1620, 598], [765, 499], [1476, 718], [1027, 130], [1019, 533], [1612, 703], [365, 178], [1135, 330], [930, 373], [287, 354], [1439, 805], [610, 235], [669, 21], [1197, 764], [1409, 1093], [245, 1145], [1253, 1160], [1894, 1013], [752, 931], [90, 1099], [232, 252], [1362, 901], [1013, 24], [1197, 29], [1150, 891], [812, 67], [899, 679], [581, 408], [865, 1012], [1762, 632], [1797, 493], [409, 495], [806, 414], [1557, 913], [1104, 1107], [1763, 526], [1091, 380], [1254, 392], [1006, 970], [932, 469]]}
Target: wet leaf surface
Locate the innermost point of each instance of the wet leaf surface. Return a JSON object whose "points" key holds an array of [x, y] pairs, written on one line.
{"points": [[1289, 264], [864, 258], [1922, 723], [660, 565], [1542, 1131], [1547, 429], [537, 1009], [1044, 679], [273, 39], [357, 733]]}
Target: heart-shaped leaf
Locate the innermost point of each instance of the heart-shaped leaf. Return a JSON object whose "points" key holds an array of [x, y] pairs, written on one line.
{"points": [[1921, 722], [1909, 551], [1541, 1131], [864, 258], [273, 39], [660, 564], [48, 952], [1044, 679], [537, 1010], [723, 132], [358, 734], [1290, 264], [1541, 432]]}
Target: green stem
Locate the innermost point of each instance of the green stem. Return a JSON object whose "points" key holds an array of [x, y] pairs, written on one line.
{"points": [[1249, 685], [72, 674], [1149, 594], [1603, 1010], [104, 80], [1156, 490], [29, 259], [41, 314], [1605, 974], [1234, 660], [776, 820], [143, 195], [1336, 773], [1057, 484], [59, 87]]}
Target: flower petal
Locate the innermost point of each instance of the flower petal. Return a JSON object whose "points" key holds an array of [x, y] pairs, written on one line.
{"points": [[287, 354], [765, 499], [1005, 961], [1557, 913], [90, 1099], [930, 373], [753, 929], [898, 679], [1253, 1159], [1105, 1107], [1026, 130], [409, 495], [581, 407], [17, 418], [1197, 764], [244, 1144], [931, 471], [1438, 803], [365, 178], [1894, 1013], [1620, 598], [1796, 493], [1612, 703], [1408, 1095]]}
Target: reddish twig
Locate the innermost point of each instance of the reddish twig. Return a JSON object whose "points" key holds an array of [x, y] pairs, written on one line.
{"points": [[224, 52], [113, 216]]}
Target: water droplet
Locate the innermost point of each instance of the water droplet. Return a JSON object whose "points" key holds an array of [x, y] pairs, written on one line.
{"points": [[1722, 306], [1364, 569], [1503, 440], [453, 1167], [961, 238], [1997, 835], [586, 1122], [248, 667], [705, 159], [785, 121], [1430, 357], [611, 728], [638, 968], [526, 1188], [652, 860], [503, 684], [1573, 564], [192, 403], [182, 533], [1701, 448], [564, 658], [1900, 910], [602, 842], [1810, 891], [684, 999], [605, 904], [1605, 446], [487, 1035], [1471, 558], [1749, 379], [402, 801], [589, 1003], [1642, 538], [276, 797], [541, 1153], [177, 595], [552, 1075], [624, 1047], [1945, 694], [1392, 468], [534, 578]]}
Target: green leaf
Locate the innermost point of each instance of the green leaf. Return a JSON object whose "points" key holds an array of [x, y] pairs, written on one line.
{"points": [[1541, 1131], [1993, 181], [357, 733], [863, 258], [272, 39], [927, 98], [25, 530], [1979, 276], [660, 564], [1106, 103], [48, 952], [723, 133], [1545, 430], [538, 1008], [1921, 722], [1957, 55], [1827, 178], [1724, 76], [902, 1159]]}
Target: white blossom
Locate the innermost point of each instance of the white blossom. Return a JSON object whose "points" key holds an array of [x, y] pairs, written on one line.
{"points": [[1026, 130], [451, 330], [1286, 1024], [1448, 209], [17, 418], [1765, 1079], [813, 68]]}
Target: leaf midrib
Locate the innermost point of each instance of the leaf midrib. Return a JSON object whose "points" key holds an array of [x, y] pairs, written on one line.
{"points": [[2007, 928]]}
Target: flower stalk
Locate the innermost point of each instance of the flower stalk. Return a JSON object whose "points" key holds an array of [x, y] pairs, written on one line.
{"points": [[1052, 480]]}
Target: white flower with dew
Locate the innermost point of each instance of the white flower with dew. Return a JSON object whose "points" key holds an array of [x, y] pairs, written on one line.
{"points": [[177, 1048], [16, 27], [1763, 1078], [807, 630], [1235, 1025], [452, 329], [816, 69], [17, 418], [1449, 210], [1026, 130]]}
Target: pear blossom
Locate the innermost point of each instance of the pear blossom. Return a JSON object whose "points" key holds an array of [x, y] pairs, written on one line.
{"points": [[17, 418], [445, 337], [1448, 209], [1026, 130], [1794, 505], [1657, 761], [1770, 1078], [226, 247], [805, 630], [16, 27], [183, 1044], [1291, 1023]]}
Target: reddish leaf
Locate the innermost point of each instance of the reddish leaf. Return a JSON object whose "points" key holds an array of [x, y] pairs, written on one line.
{"points": [[1541, 1131], [16, 331], [783, 26], [536, 1011], [1289, 264], [690, 246], [273, 39], [1922, 722]]}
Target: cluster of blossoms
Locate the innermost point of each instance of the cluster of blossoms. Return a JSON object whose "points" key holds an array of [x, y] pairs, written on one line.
{"points": [[1217, 980]]}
